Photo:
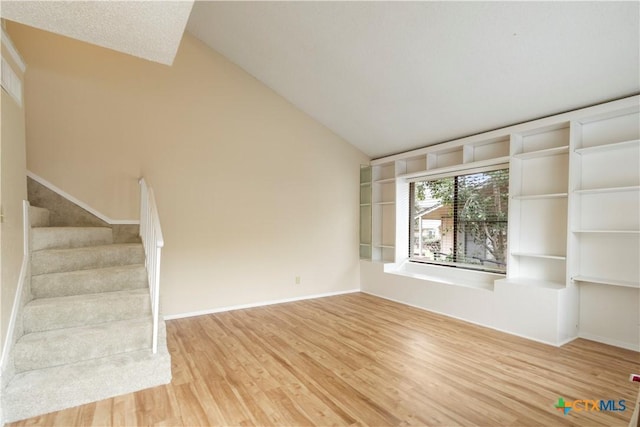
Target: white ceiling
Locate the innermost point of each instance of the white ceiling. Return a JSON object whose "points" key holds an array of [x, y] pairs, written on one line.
{"points": [[393, 76], [147, 29], [386, 76]]}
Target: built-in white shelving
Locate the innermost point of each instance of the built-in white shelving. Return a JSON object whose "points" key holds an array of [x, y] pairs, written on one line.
{"points": [[538, 186], [528, 281], [608, 190], [605, 281], [365, 212], [554, 151], [608, 231], [535, 255], [574, 224], [605, 199], [385, 181], [609, 147], [574, 209], [456, 167], [542, 196], [383, 212], [390, 187]]}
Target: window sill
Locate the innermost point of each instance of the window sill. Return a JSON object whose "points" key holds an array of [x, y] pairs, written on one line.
{"points": [[446, 275]]}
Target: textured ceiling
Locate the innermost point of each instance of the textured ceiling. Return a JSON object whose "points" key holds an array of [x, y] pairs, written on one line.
{"points": [[147, 29], [386, 76], [393, 76]]}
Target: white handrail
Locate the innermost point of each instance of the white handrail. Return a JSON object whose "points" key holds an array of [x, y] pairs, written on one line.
{"points": [[152, 241]]}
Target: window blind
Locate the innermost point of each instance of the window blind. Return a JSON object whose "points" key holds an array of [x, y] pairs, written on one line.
{"points": [[461, 220]]}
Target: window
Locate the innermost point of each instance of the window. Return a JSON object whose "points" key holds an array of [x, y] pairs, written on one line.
{"points": [[461, 220]]}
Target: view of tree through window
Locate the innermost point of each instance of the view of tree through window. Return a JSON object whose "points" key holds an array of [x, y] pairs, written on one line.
{"points": [[462, 220]]}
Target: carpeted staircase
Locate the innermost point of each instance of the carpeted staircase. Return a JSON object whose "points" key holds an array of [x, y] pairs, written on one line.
{"points": [[87, 332]]}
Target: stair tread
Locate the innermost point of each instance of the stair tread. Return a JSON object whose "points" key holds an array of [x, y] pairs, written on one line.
{"points": [[110, 268], [79, 331], [69, 237], [93, 280], [68, 227], [85, 258], [63, 346], [99, 296], [92, 248], [44, 314], [115, 268]]}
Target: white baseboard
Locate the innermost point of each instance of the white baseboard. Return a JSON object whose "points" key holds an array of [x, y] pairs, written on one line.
{"points": [[80, 203], [609, 341], [554, 344], [257, 304], [567, 341]]}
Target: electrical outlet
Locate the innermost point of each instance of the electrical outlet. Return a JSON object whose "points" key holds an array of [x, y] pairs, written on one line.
{"points": [[297, 280]]}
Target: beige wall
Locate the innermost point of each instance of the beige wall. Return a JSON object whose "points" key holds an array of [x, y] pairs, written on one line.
{"points": [[13, 191], [251, 191]]}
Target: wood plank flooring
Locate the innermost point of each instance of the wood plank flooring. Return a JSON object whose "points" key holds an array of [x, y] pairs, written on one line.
{"points": [[358, 360]]}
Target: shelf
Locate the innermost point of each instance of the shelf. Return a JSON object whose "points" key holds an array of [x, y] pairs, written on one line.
{"points": [[608, 190], [525, 281], [457, 168], [543, 256], [384, 181], [384, 246], [543, 153], [384, 203], [607, 231], [606, 147], [365, 184], [603, 281], [365, 244], [362, 205], [541, 196]]}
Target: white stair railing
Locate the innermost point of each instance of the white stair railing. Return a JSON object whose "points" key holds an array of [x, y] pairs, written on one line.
{"points": [[152, 240]]}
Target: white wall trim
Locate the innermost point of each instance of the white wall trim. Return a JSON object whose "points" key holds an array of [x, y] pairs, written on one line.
{"points": [[80, 203], [6, 41], [554, 344], [609, 341], [257, 304], [8, 341]]}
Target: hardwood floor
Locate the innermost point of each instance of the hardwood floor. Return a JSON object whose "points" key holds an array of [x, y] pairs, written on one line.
{"points": [[357, 360]]}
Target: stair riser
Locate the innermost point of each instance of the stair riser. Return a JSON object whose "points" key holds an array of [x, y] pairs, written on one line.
{"points": [[98, 341], [56, 315], [63, 260], [122, 377], [88, 281], [69, 237], [38, 217], [35, 393]]}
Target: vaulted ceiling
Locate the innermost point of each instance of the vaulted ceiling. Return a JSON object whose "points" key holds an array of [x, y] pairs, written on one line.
{"points": [[393, 76]]}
